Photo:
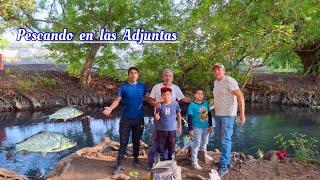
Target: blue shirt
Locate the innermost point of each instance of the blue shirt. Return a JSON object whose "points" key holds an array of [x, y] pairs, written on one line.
{"points": [[168, 114], [199, 114], [132, 100]]}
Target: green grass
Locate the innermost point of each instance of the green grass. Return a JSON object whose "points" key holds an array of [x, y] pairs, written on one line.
{"points": [[48, 81], [25, 85]]}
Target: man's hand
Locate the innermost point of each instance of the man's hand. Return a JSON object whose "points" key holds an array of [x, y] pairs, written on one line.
{"points": [[210, 129], [157, 117], [191, 133], [242, 119], [107, 111], [156, 114], [157, 104]]}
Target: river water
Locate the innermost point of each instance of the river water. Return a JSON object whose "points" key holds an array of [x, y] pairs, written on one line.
{"points": [[263, 123]]}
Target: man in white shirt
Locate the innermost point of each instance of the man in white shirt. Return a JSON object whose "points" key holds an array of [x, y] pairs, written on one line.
{"points": [[227, 95], [155, 100]]}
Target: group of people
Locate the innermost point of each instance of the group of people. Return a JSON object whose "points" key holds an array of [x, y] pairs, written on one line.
{"points": [[164, 97]]}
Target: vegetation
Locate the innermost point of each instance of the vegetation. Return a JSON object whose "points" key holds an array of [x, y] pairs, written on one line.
{"points": [[25, 85], [241, 34], [304, 148], [48, 81]]}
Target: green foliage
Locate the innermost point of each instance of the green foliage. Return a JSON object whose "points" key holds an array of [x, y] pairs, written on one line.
{"points": [[91, 16], [285, 62], [25, 85], [3, 43], [303, 147], [8, 72], [15, 13], [48, 81]]}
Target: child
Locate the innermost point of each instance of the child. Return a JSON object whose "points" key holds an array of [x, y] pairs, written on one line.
{"points": [[200, 126], [165, 122]]}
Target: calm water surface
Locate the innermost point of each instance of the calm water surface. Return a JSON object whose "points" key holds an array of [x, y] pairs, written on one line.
{"points": [[263, 123]]}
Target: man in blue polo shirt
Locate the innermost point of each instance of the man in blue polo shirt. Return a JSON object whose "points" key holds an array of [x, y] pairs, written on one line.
{"points": [[132, 94]]}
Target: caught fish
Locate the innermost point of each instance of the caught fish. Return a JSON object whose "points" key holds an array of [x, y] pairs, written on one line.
{"points": [[45, 142], [65, 113]]}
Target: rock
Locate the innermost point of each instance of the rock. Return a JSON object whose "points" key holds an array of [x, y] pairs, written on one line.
{"points": [[8, 174], [249, 157], [271, 156], [214, 175], [120, 177]]}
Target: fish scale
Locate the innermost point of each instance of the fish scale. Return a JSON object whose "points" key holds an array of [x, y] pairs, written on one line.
{"points": [[65, 113], [45, 142]]}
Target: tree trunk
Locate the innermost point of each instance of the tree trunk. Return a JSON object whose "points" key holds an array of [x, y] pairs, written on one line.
{"points": [[310, 58], [86, 71]]}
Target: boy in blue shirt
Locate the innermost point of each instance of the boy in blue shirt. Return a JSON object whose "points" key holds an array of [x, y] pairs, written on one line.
{"points": [[200, 126], [165, 123]]}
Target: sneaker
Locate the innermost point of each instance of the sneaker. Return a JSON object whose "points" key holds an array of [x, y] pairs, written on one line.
{"points": [[222, 172], [196, 166], [117, 170], [136, 163]]}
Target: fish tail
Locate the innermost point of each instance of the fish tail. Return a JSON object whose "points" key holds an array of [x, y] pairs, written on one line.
{"points": [[47, 118]]}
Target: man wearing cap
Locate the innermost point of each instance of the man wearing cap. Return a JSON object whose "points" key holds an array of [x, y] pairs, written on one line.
{"points": [[155, 100], [227, 95], [132, 94]]}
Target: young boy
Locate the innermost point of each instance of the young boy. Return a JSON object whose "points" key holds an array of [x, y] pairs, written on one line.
{"points": [[200, 126], [165, 122]]}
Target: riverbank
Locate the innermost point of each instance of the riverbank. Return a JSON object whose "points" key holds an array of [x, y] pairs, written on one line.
{"points": [[94, 163], [37, 87]]}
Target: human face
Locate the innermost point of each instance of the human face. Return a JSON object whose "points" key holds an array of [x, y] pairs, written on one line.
{"points": [[218, 72], [133, 76], [166, 96], [167, 78], [198, 96]]}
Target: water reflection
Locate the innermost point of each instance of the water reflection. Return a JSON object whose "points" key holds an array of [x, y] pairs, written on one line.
{"points": [[263, 123]]}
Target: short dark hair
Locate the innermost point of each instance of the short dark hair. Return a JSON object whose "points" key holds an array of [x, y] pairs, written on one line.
{"points": [[133, 68], [198, 89]]}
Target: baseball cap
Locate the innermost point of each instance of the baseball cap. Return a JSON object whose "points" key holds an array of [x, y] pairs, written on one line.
{"points": [[165, 89], [217, 65]]}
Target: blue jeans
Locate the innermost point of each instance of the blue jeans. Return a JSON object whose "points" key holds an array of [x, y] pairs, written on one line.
{"points": [[200, 140], [224, 130]]}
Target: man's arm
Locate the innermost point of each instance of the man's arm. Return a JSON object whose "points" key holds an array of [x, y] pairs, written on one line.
{"points": [[186, 100], [241, 102], [107, 110]]}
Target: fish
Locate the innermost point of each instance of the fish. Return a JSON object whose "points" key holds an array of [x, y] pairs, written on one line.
{"points": [[65, 114], [45, 142]]}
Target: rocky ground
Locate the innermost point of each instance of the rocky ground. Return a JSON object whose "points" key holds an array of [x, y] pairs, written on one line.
{"points": [[92, 163]]}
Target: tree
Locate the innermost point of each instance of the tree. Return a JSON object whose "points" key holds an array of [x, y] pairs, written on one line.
{"points": [[91, 16], [15, 13], [256, 29]]}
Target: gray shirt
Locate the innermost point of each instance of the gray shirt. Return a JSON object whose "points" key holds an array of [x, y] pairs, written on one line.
{"points": [[168, 114]]}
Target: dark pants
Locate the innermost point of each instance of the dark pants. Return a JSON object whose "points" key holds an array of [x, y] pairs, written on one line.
{"points": [[166, 142], [126, 127]]}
